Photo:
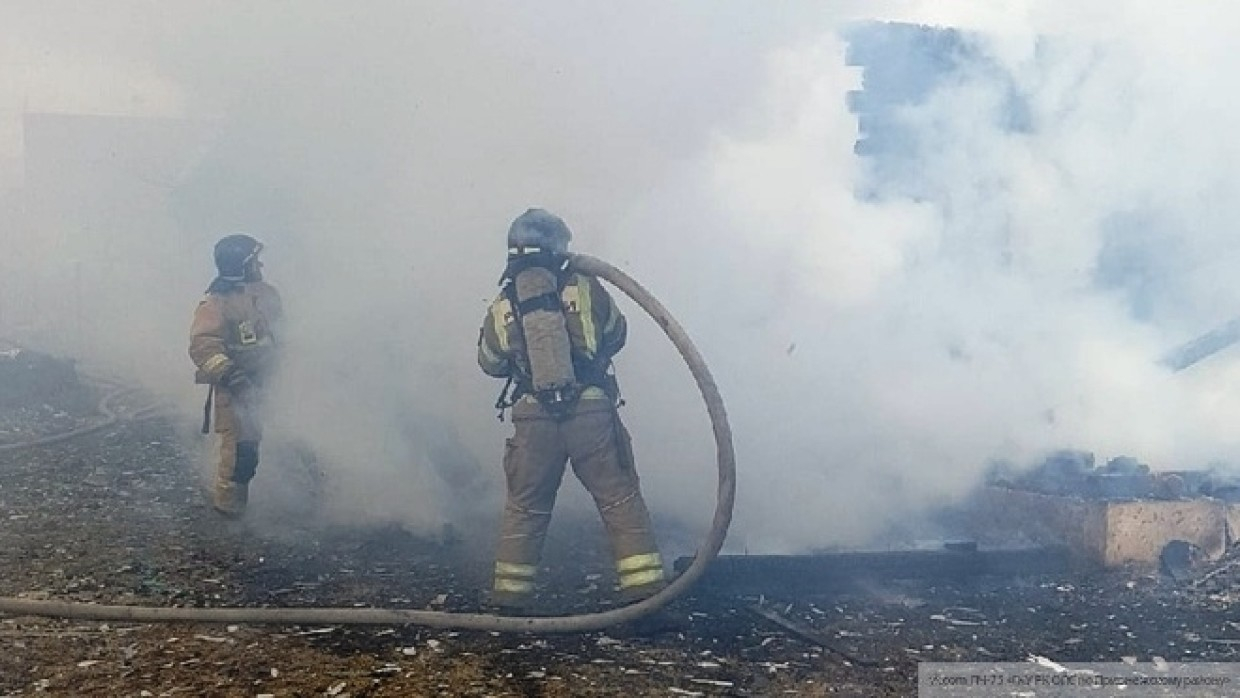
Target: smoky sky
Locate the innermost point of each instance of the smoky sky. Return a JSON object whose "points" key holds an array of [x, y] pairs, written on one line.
{"points": [[1055, 220]]}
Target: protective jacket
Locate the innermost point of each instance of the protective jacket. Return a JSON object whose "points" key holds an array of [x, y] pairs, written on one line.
{"points": [[233, 330]]}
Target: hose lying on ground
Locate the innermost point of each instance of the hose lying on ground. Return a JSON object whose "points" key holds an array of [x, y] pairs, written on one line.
{"points": [[110, 417], [725, 496]]}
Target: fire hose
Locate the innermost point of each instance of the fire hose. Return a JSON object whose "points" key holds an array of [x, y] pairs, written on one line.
{"points": [[709, 549], [109, 414]]}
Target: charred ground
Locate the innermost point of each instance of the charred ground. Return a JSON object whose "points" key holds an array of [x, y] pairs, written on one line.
{"points": [[118, 516]]}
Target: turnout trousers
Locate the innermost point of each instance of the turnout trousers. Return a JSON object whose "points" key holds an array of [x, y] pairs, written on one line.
{"points": [[239, 432], [593, 439]]}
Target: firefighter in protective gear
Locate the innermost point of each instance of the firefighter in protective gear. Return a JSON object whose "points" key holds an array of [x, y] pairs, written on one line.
{"points": [[232, 342], [557, 424]]}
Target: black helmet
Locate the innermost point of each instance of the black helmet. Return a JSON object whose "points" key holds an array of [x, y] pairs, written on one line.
{"points": [[538, 230], [234, 256]]}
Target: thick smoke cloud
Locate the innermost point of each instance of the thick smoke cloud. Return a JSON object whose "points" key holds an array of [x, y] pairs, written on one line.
{"points": [[877, 353], [1041, 273]]}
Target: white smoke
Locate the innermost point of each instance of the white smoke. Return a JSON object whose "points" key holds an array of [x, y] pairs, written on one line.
{"points": [[875, 354], [990, 335]]}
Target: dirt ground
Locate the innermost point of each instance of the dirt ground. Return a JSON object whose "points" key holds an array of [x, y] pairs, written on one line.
{"points": [[118, 516]]}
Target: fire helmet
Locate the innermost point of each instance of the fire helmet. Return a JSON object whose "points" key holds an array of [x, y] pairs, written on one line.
{"points": [[235, 254], [540, 230]]}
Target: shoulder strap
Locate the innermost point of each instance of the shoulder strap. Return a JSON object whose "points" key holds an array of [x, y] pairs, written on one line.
{"points": [[206, 410], [512, 390]]}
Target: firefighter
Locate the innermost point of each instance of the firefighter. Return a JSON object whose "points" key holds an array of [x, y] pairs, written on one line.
{"points": [[552, 334], [232, 342]]}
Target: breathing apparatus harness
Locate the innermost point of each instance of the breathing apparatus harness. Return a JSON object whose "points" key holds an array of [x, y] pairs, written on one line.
{"points": [[548, 366]]}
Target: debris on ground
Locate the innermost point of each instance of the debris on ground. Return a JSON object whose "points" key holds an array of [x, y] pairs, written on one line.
{"points": [[117, 516]]}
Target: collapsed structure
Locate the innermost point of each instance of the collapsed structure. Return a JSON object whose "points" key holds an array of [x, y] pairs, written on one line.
{"points": [[1114, 514]]}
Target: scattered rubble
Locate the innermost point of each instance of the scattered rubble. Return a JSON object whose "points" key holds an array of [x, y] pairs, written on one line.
{"points": [[140, 533], [1075, 473], [40, 395]]}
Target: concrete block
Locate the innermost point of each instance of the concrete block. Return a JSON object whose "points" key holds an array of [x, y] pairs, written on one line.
{"points": [[1137, 531], [1102, 532]]}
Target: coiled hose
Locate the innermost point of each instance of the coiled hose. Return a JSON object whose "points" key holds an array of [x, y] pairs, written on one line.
{"points": [[725, 497]]}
